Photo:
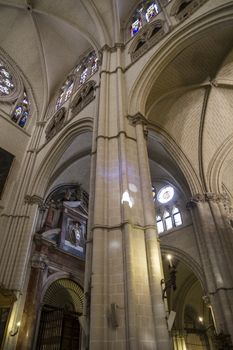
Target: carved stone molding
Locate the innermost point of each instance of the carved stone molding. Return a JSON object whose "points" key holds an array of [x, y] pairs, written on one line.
{"points": [[84, 96], [149, 35], [187, 11], [39, 261], [56, 124]]}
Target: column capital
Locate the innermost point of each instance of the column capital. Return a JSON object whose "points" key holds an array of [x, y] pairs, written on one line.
{"points": [[206, 300], [34, 199], [39, 261], [113, 48], [137, 118], [206, 197]]}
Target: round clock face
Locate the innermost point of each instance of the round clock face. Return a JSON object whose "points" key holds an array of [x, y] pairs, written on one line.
{"points": [[165, 194]]}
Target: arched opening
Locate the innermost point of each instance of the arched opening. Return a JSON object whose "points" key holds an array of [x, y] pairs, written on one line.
{"points": [[183, 5], [59, 326], [190, 318]]}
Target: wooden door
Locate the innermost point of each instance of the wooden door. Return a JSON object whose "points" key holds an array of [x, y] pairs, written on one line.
{"points": [[70, 332], [50, 331]]}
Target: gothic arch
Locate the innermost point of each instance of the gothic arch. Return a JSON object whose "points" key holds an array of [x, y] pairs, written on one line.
{"points": [[58, 276], [183, 38], [50, 159], [187, 260], [21, 83], [180, 159]]}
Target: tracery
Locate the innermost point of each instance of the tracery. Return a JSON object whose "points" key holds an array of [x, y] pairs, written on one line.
{"points": [[144, 13], [7, 83], [79, 75], [168, 213], [21, 111]]}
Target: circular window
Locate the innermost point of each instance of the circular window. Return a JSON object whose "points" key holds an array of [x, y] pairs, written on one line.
{"points": [[165, 194]]}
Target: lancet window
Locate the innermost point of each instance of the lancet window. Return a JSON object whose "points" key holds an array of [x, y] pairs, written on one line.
{"points": [[168, 213], [144, 13], [21, 111], [80, 74], [160, 225], [168, 219]]}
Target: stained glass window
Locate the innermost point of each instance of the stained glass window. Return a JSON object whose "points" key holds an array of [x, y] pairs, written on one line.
{"points": [[6, 80], [144, 14], [152, 11], [21, 112], [80, 74], [65, 92]]}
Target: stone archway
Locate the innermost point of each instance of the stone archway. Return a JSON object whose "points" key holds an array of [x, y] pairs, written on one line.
{"points": [[193, 325], [59, 326]]}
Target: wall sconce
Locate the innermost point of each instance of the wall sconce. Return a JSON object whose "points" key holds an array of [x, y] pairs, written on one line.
{"points": [[14, 331], [171, 282]]}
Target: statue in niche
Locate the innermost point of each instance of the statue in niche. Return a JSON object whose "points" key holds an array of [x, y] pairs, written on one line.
{"points": [[75, 233]]}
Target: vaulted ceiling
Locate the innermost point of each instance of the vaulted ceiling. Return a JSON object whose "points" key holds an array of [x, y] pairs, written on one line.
{"points": [[46, 37]]}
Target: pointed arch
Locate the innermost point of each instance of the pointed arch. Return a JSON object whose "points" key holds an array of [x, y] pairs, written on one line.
{"points": [[57, 148], [184, 37]]}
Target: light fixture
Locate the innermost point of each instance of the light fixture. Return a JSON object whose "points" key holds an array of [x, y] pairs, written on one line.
{"points": [[200, 319], [169, 258], [14, 331]]}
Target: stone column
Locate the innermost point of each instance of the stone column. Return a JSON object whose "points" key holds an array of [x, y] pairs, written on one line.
{"points": [[126, 309], [32, 303], [214, 239]]}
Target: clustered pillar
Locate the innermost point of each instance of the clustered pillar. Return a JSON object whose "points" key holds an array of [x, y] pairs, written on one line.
{"points": [[126, 307], [215, 242]]}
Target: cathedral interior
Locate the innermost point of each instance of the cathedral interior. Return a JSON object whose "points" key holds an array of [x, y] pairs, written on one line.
{"points": [[116, 174]]}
